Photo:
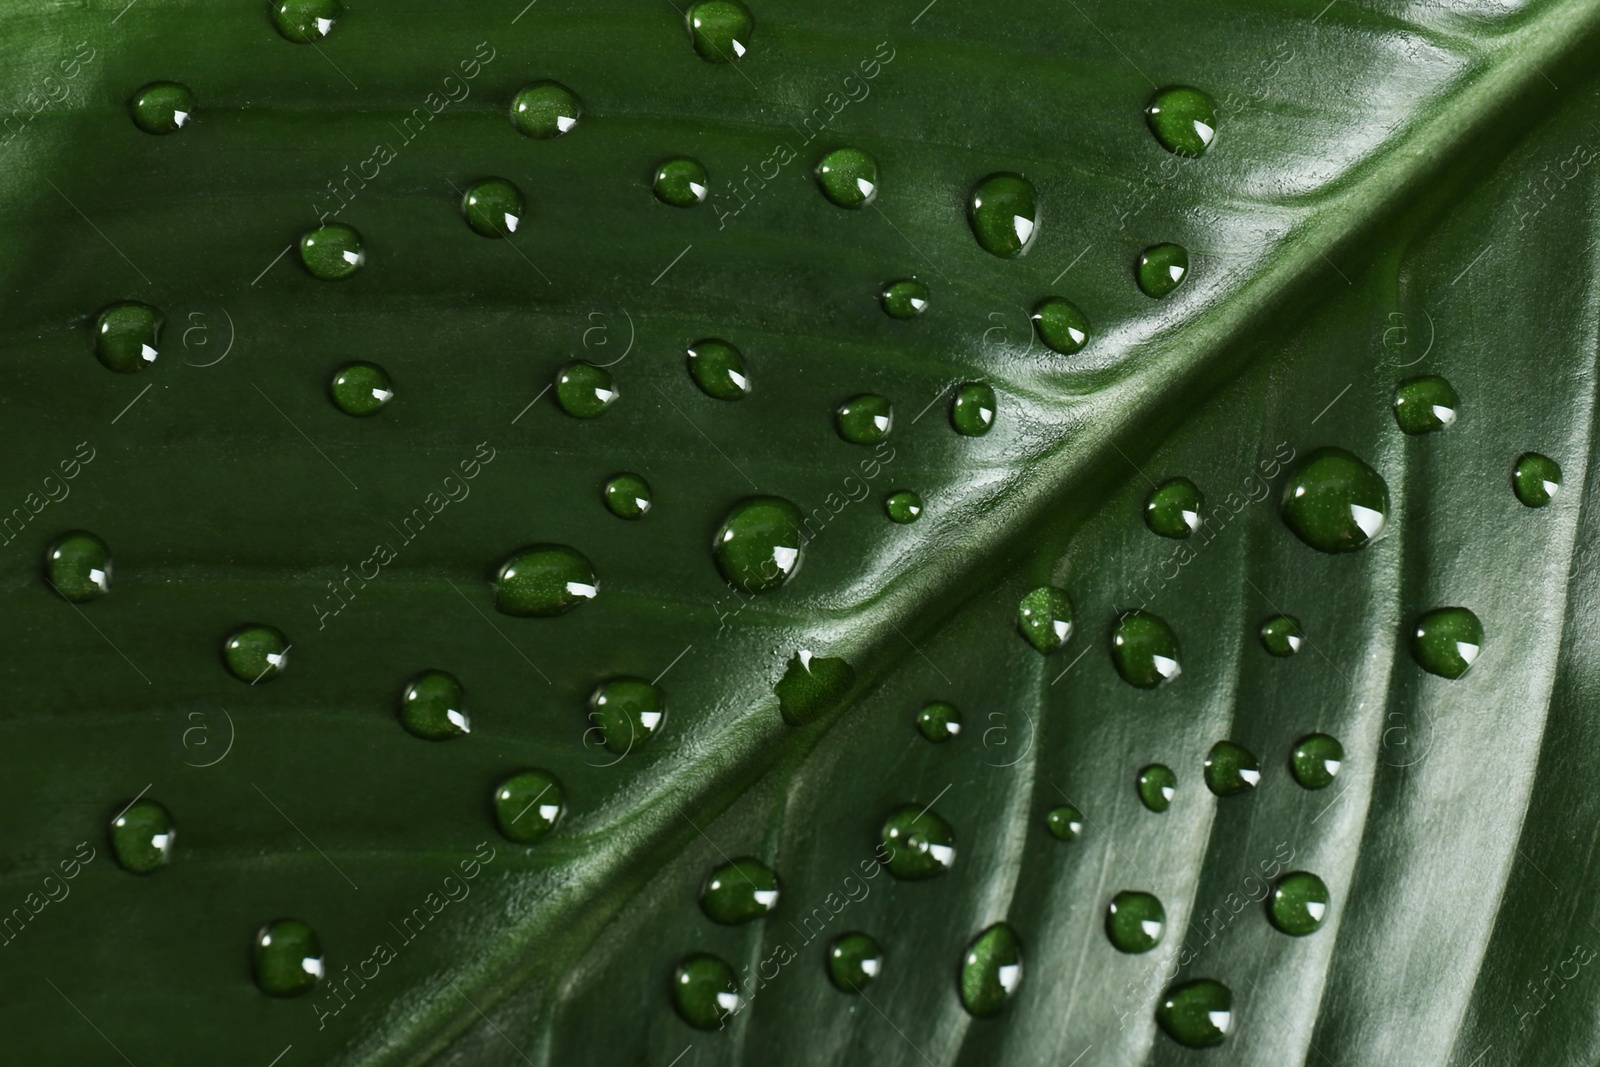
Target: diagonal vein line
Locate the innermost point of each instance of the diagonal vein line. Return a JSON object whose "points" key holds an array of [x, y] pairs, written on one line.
{"points": [[99, 631], [334, 65], [1113, 44], [98, 230], [274, 262], [132, 402], [499, 631], [671, 665], [702, 433], [674, 262], [921, 653], [90, 1021], [490, 1021], [1332, 402], [908, 241], [302, 833], [302, 433], [716, 846], [897, 1029]]}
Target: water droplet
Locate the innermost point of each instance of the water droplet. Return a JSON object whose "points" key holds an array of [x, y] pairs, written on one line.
{"points": [[125, 336], [991, 970], [681, 182], [902, 506], [919, 842], [812, 686], [1161, 269], [1044, 617], [719, 29], [849, 177], [1316, 760], [1145, 650], [361, 388], [256, 653], [1299, 903], [904, 299], [1334, 502], [1231, 769], [432, 706], [1134, 921], [1065, 822], [761, 543], [1004, 214], [545, 109], [544, 580], [584, 390], [1424, 404], [855, 960], [142, 837], [1157, 786], [78, 566], [1446, 641], [627, 496], [493, 207], [162, 107], [739, 891], [288, 958], [1281, 635], [1184, 120], [305, 21], [973, 411], [939, 721], [1197, 1013], [528, 805], [718, 369], [864, 419], [1174, 508], [1060, 325], [628, 712], [1536, 479], [704, 992], [332, 252]]}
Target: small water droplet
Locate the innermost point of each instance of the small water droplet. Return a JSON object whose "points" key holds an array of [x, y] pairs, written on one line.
{"points": [[432, 706], [1197, 1014], [681, 182], [544, 580], [1316, 760], [1281, 635], [991, 970], [1334, 502], [1298, 904], [904, 299], [1446, 641], [162, 107], [1060, 325], [719, 29], [864, 419], [1422, 405], [125, 336], [361, 388], [1157, 786], [493, 207], [1231, 769], [920, 843], [1134, 921], [256, 653], [305, 21], [903, 506], [812, 686], [739, 891], [545, 109], [761, 543], [142, 837], [718, 369], [848, 177], [704, 992], [939, 721], [1145, 650], [627, 496], [972, 413], [287, 957], [1161, 269], [1174, 508], [1184, 120], [1004, 214], [1065, 822], [628, 712], [78, 566], [528, 805], [1536, 479], [1044, 617], [855, 960], [584, 390], [332, 252]]}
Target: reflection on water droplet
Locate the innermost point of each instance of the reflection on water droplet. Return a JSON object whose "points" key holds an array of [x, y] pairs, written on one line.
{"points": [[1184, 120], [681, 182], [1422, 405], [125, 336], [627, 496], [584, 390], [1446, 641], [1536, 479], [991, 970], [1044, 617], [864, 419], [1161, 268], [1157, 786], [332, 252], [1298, 904], [855, 960], [1134, 921], [162, 107], [142, 837], [256, 653], [432, 707], [1004, 214], [528, 805], [1281, 635], [545, 109], [904, 299], [1174, 508], [939, 721], [78, 566], [812, 686], [628, 712], [544, 580], [739, 891], [1065, 822], [361, 388], [718, 369], [761, 543], [305, 21], [1060, 325], [903, 506], [287, 958], [848, 177], [704, 992], [918, 842], [1334, 502], [972, 413], [1145, 650], [719, 29], [1231, 769], [1197, 1014], [493, 207], [1316, 760]]}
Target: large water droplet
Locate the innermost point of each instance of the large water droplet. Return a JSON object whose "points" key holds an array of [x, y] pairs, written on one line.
{"points": [[528, 805], [1334, 502], [287, 958], [1197, 1014], [972, 413], [939, 721], [493, 207], [855, 960], [1065, 822], [1281, 635], [704, 992], [1060, 325], [761, 544], [1161, 268], [1044, 617], [584, 390], [256, 653], [544, 580], [812, 686], [1004, 213], [1536, 479], [991, 970], [903, 506], [718, 369], [332, 252], [305, 21], [739, 891], [1424, 404], [1316, 760], [1231, 769], [1446, 641], [1174, 508], [142, 837], [1157, 786], [125, 336], [361, 388], [1134, 921], [904, 299], [848, 177], [545, 109], [681, 182], [1184, 120], [628, 712], [1298, 904], [864, 419], [920, 844], [432, 706], [627, 496], [1145, 650], [719, 29], [162, 107], [78, 566]]}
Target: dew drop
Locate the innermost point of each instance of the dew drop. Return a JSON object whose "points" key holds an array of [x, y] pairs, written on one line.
{"points": [[903, 506], [1161, 268], [627, 496], [78, 566], [1334, 502], [545, 109], [1196, 1014], [528, 805], [718, 369], [904, 299], [142, 837], [305, 21], [719, 29], [125, 336], [739, 891], [973, 411], [256, 653], [1134, 921], [1316, 760], [628, 712], [162, 107], [855, 960], [1184, 120], [544, 580], [1231, 769], [1446, 641], [812, 686], [848, 177], [584, 390], [432, 706], [1298, 904], [864, 419], [760, 545], [939, 721], [332, 252], [1174, 508], [704, 992], [1004, 214], [1145, 650], [1060, 325], [1422, 405], [361, 388], [1281, 635], [287, 958], [1065, 822], [919, 842], [681, 182], [493, 207], [1536, 479], [1044, 617], [991, 970], [1157, 786]]}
